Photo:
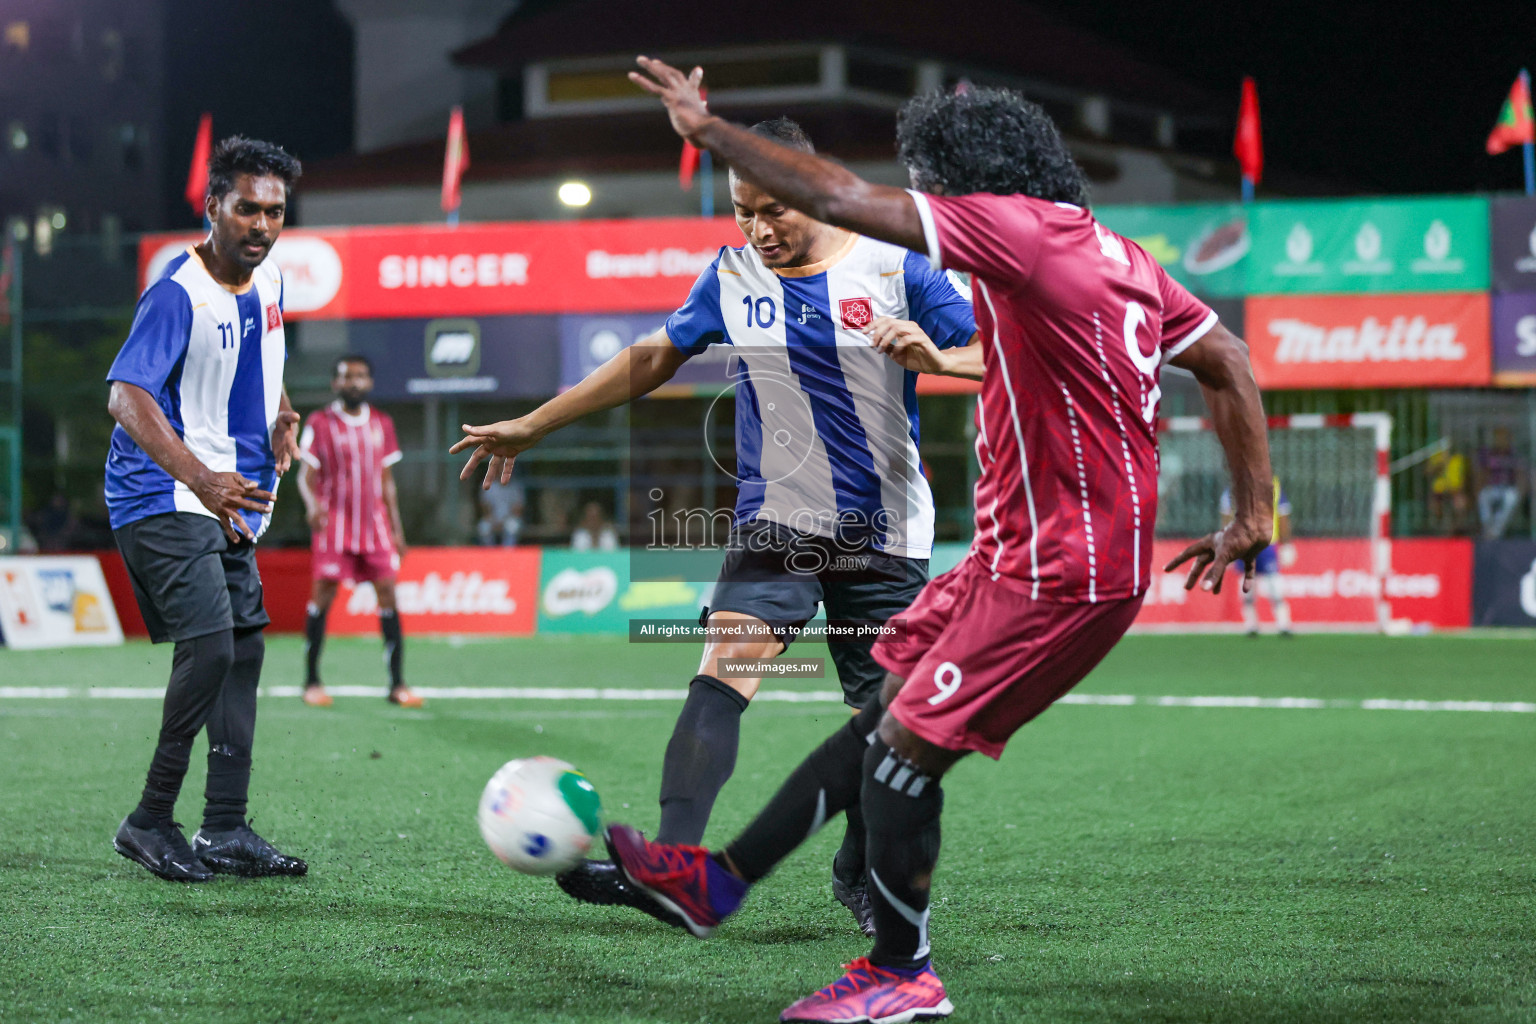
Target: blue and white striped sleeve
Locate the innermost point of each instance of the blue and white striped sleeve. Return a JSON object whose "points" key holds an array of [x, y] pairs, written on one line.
{"points": [[699, 323], [158, 339], [936, 304]]}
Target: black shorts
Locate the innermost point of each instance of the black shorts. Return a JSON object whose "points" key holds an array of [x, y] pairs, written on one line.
{"points": [[190, 580], [780, 576]]}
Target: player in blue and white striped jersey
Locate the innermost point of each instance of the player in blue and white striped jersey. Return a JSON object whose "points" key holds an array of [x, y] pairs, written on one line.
{"points": [[828, 473], [204, 429]]}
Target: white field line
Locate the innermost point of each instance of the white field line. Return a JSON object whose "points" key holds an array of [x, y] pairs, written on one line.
{"points": [[556, 693]]}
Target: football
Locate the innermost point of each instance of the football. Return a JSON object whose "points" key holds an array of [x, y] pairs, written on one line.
{"points": [[539, 815]]}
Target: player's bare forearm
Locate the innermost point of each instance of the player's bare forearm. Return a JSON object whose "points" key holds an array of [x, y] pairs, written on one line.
{"points": [[635, 371], [137, 412], [392, 503], [829, 193], [820, 188], [965, 361], [632, 372], [1220, 363]]}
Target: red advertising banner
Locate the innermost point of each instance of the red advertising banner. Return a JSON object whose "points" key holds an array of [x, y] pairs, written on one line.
{"points": [[440, 590], [1366, 341], [452, 590], [615, 266], [1330, 585]]}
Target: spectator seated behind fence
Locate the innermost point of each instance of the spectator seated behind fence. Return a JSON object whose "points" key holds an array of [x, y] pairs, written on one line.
{"points": [[501, 514], [1449, 504], [594, 532], [1500, 483]]}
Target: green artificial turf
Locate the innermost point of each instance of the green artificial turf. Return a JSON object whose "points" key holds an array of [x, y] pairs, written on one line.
{"points": [[1121, 863]]}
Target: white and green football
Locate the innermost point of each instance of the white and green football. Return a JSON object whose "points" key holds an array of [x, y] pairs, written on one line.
{"points": [[539, 815]]}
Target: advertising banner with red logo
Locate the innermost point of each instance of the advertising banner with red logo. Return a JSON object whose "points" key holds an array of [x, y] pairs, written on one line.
{"points": [[1330, 586], [616, 266], [1370, 341], [452, 590]]}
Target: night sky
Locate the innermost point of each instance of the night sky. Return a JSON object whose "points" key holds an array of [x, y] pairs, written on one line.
{"points": [[1360, 94]]}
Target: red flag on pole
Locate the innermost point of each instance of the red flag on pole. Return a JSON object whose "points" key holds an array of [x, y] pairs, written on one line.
{"points": [[1515, 126], [688, 166], [1248, 146], [197, 174], [455, 160]]}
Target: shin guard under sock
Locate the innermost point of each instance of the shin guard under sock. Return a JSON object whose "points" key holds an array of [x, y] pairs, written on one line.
{"points": [[394, 650], [314, 642], [901, 811], [825, 783], [700, 758]]}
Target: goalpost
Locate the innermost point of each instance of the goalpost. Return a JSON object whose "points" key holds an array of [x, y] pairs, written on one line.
{"points": [[1334, 470]]}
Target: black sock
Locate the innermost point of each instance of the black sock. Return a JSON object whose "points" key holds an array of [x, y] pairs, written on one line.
{"points": [[198, 669], [901, 808], [848, 864], [231, 735], [700, 758], [825, 783], [314, 641], [394, 651]]}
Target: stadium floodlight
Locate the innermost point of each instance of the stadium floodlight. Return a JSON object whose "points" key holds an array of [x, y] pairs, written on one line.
{"points": [[575, 193]]}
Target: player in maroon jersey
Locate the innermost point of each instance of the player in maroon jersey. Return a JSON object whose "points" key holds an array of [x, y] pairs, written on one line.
{"points": [[1075, 323], [348, 449]]}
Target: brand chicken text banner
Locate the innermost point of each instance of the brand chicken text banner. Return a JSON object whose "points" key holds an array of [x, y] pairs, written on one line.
{"points": [[1369, 341], [478, 269]]}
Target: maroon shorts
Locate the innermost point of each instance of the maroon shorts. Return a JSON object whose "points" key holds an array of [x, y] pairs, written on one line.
{"points": [[354, 566], [981, 658]]}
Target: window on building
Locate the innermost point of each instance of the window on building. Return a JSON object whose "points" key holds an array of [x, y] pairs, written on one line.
{"points": [[16, 137], [887, 77]]}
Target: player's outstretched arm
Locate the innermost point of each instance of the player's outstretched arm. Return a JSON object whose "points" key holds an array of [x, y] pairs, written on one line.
{"points": [[829, 193], [909, 345], [223, 494], [638, 370], [1219, 361]]}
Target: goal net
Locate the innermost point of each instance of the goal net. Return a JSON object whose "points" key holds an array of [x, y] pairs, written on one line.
{"points": [[1333, 472]]}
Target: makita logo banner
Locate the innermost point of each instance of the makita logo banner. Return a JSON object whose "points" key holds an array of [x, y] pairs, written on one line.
{"points": [[452, 590], [1298, 341], [1369, 340]]}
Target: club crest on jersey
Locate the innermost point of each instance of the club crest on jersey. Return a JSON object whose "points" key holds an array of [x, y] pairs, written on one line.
{"points": [[808, 312], [274, 317], [856, 314]]}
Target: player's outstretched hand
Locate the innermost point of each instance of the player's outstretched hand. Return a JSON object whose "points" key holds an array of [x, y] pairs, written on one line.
{"points": [[905, 342], [1214, 552], [285, 439], [225, 495], [679, 92], [501, 443]]}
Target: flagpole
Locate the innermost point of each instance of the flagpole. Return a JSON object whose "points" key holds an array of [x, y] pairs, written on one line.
{"points": [[1528, 146], [706, 184], [1247, 189]]}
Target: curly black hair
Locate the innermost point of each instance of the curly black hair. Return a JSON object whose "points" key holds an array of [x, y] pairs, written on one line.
{"points": [[239, 155], [986, 140]]}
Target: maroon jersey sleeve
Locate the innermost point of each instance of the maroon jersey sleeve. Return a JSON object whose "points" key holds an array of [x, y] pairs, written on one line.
{"points": [[991, 235], [1185, 318], [389, 451]]}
